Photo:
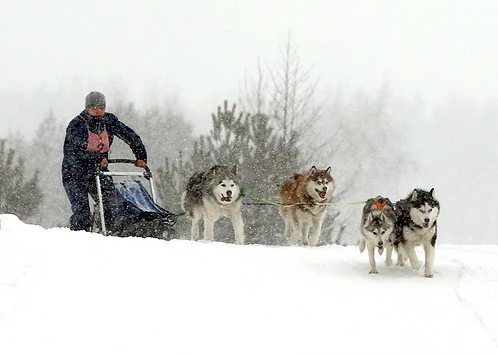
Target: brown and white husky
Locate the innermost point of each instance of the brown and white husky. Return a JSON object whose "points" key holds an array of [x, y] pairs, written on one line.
{"points": [[304, 200]]}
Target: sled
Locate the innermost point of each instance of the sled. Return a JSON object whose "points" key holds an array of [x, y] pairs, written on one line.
{"points": [[136, 212]]}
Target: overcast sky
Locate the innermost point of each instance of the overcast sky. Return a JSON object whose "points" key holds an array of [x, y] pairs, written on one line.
{"points": [[55, 51]]}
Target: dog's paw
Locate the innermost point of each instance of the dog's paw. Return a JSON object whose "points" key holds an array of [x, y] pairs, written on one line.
{"points": [[373, 272]]}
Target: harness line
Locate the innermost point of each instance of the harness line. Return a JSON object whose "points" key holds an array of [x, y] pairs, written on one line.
{"points": [[264, 202]]}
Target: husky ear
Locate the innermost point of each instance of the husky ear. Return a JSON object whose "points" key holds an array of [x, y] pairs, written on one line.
{"points": [[414, 195], [213, 171], [432, 193], [233, 169], [313, 169], [369, 219], [329, 169]]}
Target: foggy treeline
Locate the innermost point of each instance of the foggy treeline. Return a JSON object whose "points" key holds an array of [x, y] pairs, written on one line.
{"points": [[279, 125]]}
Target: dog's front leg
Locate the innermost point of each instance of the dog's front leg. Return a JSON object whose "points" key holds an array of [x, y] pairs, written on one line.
{"points": [[430, 252], [194, 231], [208, 228], [296, 235], [409, 247], [402, 258], [305, 230], [288, 229], [371, 258], [317, 230], [389, 254], [362, 244], [287, 217], [238, 227], [296, 229], [401, 255]]}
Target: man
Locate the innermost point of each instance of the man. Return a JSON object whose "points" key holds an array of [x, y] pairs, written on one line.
{"points": [[88, 139]]}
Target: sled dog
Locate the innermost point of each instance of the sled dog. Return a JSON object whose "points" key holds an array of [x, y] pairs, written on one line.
{"points": [[415, 224], [304, 200], [212, 194], [377, 227]]}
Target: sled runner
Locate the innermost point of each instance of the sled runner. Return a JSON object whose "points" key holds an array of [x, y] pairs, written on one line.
{"points": [[135, 212]]}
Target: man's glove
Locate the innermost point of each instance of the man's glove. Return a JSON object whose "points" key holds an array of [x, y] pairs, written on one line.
{"points": [[104, 162], [141, 163]]}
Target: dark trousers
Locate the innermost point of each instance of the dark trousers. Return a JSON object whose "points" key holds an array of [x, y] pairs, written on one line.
{"points": [[77, 190]]}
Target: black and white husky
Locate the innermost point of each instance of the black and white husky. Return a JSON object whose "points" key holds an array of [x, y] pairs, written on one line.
{"points": [[377, 227], [212, 194], [415, 224]]}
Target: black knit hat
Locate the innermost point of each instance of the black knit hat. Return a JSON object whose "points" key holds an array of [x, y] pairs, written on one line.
{"points": [[94, 99]]}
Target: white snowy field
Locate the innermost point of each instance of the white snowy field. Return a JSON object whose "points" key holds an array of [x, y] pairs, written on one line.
{"points": [[64, 292]]}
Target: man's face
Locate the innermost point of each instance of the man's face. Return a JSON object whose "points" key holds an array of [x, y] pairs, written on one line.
{"points": [[97, 111]]}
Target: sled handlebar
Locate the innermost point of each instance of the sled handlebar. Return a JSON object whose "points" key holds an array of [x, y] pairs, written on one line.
{"points": [[147, 174]]}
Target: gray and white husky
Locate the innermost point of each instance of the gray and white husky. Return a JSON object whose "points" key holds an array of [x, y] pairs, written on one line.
{"points": [[212, 194], [415, 224], [377, 227]]}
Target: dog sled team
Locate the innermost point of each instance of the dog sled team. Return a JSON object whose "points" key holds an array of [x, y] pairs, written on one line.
{"points": [[216, 192], [411, 221]]}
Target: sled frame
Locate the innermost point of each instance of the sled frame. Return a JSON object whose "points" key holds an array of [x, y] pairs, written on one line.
{"points": [[147, 174]]}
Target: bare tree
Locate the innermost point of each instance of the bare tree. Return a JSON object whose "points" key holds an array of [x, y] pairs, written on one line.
{"points": [[292, 92], [285, 92], [365, 153], [254, 94]]}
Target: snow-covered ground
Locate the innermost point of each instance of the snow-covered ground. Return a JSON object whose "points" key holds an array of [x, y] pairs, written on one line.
{"points": [[64, 292]]}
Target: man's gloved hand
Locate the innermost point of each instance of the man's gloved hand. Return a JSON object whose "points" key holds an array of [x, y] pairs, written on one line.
{"points": [[141, 163], [104, 162]]}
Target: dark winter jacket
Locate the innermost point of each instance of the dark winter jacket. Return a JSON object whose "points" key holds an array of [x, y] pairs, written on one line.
{"points": [[80, 164]]}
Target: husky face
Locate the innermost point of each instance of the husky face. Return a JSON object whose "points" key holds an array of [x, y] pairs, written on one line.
{"points": [[424, 208], [320, 184], [377, 230], [225, 190]]}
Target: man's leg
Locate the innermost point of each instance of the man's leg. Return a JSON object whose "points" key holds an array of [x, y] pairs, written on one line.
{"points": [[108, 199], [77, 193]]}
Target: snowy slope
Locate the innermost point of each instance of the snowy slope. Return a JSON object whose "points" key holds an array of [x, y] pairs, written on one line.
{"points": [[64, 292]]}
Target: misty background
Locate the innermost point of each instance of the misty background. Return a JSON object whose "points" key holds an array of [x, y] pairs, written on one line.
{"points": [[403, 95]]}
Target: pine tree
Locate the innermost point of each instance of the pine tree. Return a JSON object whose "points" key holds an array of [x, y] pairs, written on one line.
{"points": [[171, 182], [44, 155], [200, 158], [17, 196], [228, 139], [268, 162]]}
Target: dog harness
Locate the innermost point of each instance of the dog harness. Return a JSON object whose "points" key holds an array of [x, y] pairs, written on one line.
{"points": [[310, 203], [379, 205]]}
